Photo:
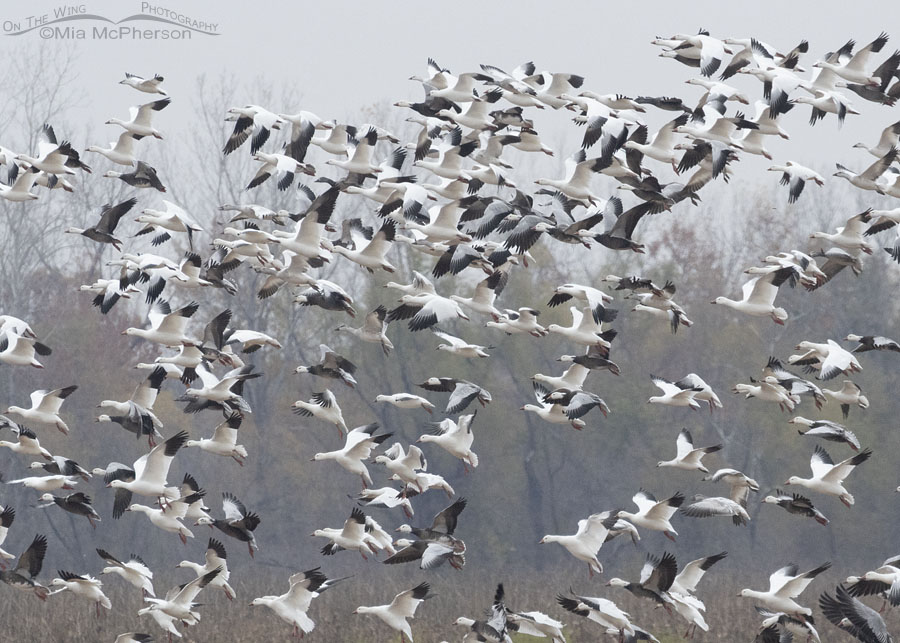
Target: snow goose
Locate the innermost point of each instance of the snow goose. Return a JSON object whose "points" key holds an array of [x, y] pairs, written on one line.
{"points": [[133, 637], [328, 296], [795, 176], [793, 384], [387, 497], [400, 609], [458, 346], [352, 536], [120, 151], [796, 504], [850, 235], [827, 430], [830, 359], [75, 503], [848, 394], [360, 162], [250, 119], [141, 123], [536, 624], [442, 526], [303, 125], [152, 469], [836, 259], [599, 610], [595, 358], [572, 379], [323, 406], [454, 437], [292, 606], [192, 496], [356, 451], [523, 320], [587, 541], [167, 327], [827, 102], [594, 298], [404, 463], [372, 330], [429, 553], [890, 137], [759, 296], [225, 393], [704, 507], [486, 291], [54, 157], [785, 585], [146, 85], [306, 238], [22, 577], [406, 401], [679, 393], [45, 406], [550, 411], [584, 329], [102, 231], [179, 602], [853, 70], [868, 178], [687, 457], [657, 575], [770, 390], [576, 183], [873, 343], [144, 176], [285, 167], [86, 586], [853, 616], [216, 558], [224, 440], [136, 414], [576, 404], [239, 523], [134, 571], [170, 516], [46, 483], [173, 218], [828, 477], [249, 340], [494, 627], [685, 582], [660, 148], [7, 516], [884, 220], [337, 140], [714, 127], [705, 394], [26, 442], [462, 392], [476, 117], [332, 366], [20, 190], [740, 484], [372, 257], [17, 350], [653, 514], [550, 87]]}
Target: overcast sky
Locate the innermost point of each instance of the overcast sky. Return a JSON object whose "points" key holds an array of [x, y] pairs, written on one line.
{"points": [[346, 55]]}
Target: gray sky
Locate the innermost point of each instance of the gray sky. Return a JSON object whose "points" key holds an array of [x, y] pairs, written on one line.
{"points": [[345, 55]]}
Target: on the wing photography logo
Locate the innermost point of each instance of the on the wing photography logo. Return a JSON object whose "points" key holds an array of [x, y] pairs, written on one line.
{"points": [[76, 22]]}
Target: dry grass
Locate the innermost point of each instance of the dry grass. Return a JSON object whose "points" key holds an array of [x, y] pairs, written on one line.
{"points": [[66, 618]]}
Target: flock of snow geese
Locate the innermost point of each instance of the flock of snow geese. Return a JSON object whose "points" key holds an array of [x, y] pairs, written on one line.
{"points": [[451, 194]]}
